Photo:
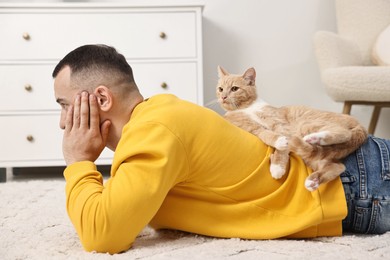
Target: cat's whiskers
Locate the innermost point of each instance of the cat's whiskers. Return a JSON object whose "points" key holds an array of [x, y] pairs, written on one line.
{"points": [[212, 104], [234, 103]]}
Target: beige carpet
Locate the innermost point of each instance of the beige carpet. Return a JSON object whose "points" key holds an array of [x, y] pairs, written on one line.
{"points": [[34, 225]]}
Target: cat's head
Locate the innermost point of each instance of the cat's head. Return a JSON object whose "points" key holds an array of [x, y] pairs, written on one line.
{"points": [[236, 91]]}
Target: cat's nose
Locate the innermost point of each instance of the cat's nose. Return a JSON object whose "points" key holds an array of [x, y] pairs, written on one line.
{"points": [[224, 97]]}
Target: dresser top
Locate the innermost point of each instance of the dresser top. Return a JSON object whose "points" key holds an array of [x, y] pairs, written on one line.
{"points": [[132, 4]]}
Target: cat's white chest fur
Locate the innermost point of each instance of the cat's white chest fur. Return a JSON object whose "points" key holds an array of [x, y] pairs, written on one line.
{"points": [[253, 109]]}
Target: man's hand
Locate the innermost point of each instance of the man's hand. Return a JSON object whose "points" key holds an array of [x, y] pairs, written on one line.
{"points": [[84, 137]]}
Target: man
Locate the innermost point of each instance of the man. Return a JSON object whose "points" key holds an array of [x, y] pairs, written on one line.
{"points": [[181, 166]]}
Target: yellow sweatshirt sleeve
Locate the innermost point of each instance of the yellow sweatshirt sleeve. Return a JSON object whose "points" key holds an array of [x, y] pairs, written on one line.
{"points": [[108, 218]]}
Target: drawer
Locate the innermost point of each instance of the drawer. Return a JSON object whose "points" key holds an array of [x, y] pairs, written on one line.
{"points": [[32, 138], [50, 36], [32, 88], [173, 78], [27, 87]]}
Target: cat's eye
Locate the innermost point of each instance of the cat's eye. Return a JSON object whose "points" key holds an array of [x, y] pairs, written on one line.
{"points": [[220, 89], [235, 88]]}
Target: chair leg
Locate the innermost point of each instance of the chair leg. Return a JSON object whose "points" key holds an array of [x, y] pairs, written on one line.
{"points": [[3, 174], [347, 107], [374, 119]]}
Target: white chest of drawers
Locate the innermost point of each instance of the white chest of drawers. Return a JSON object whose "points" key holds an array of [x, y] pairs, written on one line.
{"points": [[162, 42]]}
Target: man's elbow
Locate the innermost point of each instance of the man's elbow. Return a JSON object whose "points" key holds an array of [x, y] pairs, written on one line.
{"points": [[106, 244]]}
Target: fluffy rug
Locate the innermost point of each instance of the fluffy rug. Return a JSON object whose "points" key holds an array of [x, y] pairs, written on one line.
{"points": [[34, 225]]}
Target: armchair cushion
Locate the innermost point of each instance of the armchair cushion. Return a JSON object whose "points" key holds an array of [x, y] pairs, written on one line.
{"points": [[360, 83], [381, 50]]}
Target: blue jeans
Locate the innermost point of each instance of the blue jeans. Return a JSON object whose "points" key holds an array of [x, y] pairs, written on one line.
{"points": [[366, 183]]}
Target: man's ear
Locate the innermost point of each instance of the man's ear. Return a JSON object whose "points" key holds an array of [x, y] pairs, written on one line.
{"points": [[104, 97]]}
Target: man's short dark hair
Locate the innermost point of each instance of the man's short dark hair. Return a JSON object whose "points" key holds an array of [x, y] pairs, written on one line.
{"points": [[97, 62]]}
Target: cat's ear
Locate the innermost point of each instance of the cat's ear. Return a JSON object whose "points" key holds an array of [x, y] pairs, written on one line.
{"points": [[250, 76], [222, 72]]}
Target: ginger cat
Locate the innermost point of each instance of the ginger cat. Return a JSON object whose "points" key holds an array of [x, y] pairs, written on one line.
{"points": [[321, 138]]}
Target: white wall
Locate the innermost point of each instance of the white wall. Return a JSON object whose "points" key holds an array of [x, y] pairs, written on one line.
{"points": [[275, 37]]}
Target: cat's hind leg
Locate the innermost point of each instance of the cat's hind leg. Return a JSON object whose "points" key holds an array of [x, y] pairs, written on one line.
{"points": [[326, 171], [328, 136], [280, 160]]}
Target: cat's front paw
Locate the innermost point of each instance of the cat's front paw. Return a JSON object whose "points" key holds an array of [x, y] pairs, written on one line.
{"points": [[316, 138], [281, 143], [312, 184], [277, 172]]}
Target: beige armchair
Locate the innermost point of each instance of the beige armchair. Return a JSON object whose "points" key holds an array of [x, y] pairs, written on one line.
{"points": [[344, 57]]}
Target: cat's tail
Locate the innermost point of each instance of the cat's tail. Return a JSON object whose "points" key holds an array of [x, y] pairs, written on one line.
{"points": [[360, 135]]}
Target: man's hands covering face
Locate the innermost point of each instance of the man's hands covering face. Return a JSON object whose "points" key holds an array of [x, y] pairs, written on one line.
{"points": [[84, 137]]}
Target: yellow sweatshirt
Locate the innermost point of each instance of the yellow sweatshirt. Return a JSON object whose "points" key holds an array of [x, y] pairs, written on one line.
{"points": [[182, 166]]}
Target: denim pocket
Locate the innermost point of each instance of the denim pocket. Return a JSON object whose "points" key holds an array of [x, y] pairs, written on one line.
{"points": [[361, 219], [385, 157], [364, 216], [368, 216]]}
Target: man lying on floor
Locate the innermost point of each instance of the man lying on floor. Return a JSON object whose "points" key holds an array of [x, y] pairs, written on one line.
{"points": [[180, 166]]}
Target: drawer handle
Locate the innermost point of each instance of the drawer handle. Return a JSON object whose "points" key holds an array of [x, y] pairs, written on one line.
{"points": [[164, 85], [26, 36], [28, 87], [163, 35], [30, 138]]}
